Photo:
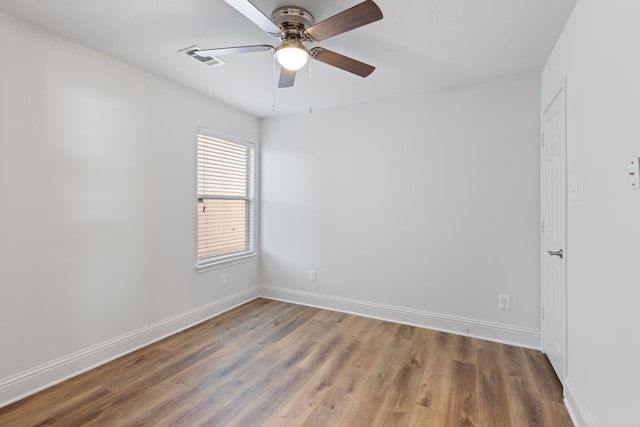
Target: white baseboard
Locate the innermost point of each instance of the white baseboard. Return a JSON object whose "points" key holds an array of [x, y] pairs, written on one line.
{"points": [[506, 334], [33, 380], [575, 406]]}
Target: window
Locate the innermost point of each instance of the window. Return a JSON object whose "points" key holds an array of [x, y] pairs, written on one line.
{"points": [[226, 206]]}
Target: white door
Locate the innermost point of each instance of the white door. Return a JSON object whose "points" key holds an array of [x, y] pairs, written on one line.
{"points": [[554, 300]]}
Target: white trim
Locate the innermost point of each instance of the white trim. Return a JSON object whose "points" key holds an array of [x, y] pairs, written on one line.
{"points": [[497, 332], [561, 90], [221, 136], [577, 410], [202, 267], [253, 208], [33, 380]]}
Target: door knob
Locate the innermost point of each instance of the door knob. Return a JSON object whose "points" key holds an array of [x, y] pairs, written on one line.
{"points": [[556, 253]]}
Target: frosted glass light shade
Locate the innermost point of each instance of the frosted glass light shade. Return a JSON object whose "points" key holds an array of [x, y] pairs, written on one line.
{"points": [[292, 56]]}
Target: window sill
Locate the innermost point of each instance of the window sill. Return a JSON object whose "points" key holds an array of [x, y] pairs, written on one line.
{"points": [[214, 265]]}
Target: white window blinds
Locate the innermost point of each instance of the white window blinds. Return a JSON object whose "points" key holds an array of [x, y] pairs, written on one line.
{"points": [[225, 199]]}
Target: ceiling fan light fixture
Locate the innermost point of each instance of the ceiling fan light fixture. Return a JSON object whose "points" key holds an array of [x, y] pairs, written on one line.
{"points": [[292, 55]]}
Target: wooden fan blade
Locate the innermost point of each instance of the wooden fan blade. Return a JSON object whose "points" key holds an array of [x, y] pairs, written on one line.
{"points": [[287, 78], [347, 20], [343, 62], [222, 51], [254, 14]]}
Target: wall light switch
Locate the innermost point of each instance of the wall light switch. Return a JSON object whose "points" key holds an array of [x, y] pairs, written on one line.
{"points": [[634, 174]]}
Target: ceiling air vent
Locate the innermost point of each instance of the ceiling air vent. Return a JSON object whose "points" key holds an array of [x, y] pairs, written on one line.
{"points": [[209, 61]]}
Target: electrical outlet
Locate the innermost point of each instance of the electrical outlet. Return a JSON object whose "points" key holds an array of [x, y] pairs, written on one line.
{"points": [[223, 279], [504, 302], [312, 276]]}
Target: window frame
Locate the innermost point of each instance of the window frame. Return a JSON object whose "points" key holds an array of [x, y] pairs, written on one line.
{"points": [[251, 231]]}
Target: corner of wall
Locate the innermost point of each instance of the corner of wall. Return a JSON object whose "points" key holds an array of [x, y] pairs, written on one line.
{"points": [[41, 377]]}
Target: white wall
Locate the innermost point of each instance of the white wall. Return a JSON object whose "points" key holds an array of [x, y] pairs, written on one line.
{"points": [[420, 209], [97, 208], [598, 54]]}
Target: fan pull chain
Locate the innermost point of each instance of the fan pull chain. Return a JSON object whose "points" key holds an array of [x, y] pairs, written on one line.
{"points": [[273, 86], [310, 91]]}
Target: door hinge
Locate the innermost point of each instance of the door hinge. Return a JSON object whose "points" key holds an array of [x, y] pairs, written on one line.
{"points": [[542, 140], [542, 226], [542, 313]]}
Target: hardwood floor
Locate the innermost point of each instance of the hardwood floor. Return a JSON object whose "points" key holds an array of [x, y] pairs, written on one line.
{"points": [[269, 363]]}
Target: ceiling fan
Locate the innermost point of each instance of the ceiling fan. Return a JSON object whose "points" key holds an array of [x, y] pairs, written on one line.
{"points": [[295, 26]]}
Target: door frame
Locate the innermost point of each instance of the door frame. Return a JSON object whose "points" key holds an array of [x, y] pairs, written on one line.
{"points": [[561, 90]]}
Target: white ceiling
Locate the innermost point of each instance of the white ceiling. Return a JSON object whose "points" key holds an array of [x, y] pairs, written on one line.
{"points": [[420, 45]]}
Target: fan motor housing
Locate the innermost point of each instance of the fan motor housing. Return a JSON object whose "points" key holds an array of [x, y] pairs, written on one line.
{"points": [[292, 20]]}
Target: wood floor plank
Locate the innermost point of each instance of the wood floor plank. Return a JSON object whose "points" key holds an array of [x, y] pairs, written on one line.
{"points": [[494, 407], [271, 363], [463, 405], [525, 405], [334, 402], [330, 369], [119, 412], [375, 337], [368, 403], [435, 382], [329, 376]]}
